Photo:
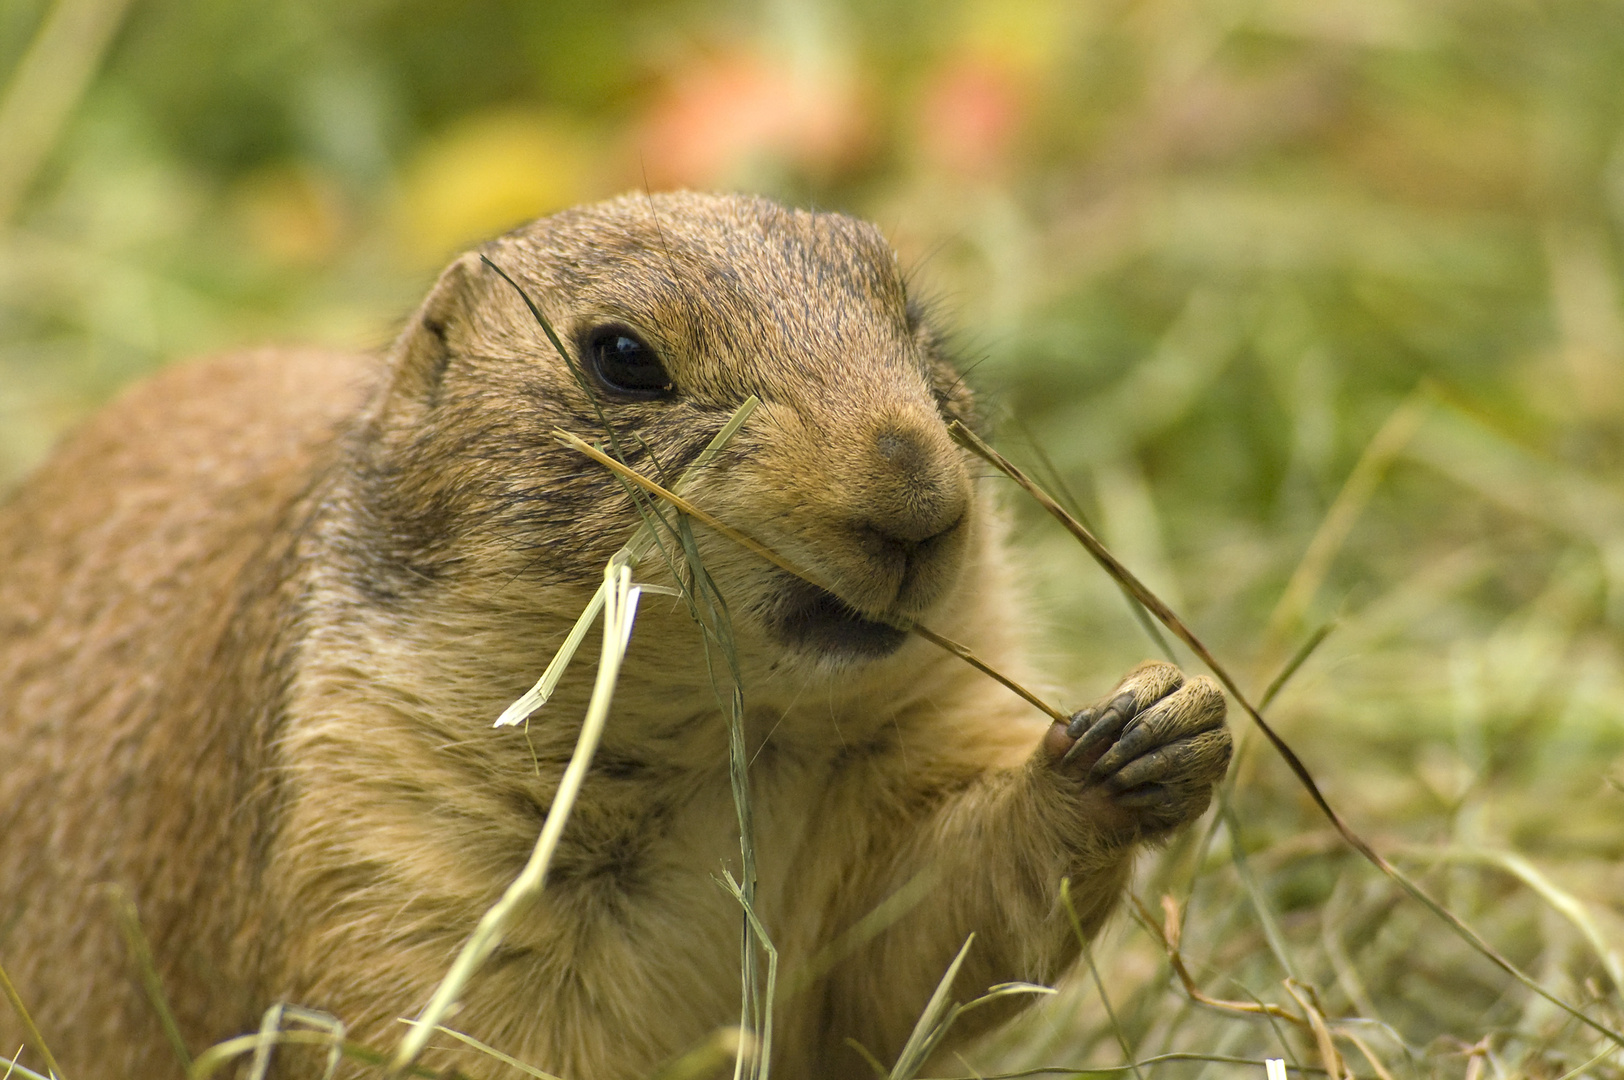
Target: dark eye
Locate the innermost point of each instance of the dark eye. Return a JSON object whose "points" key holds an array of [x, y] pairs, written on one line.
{"points": [[625, 363]]}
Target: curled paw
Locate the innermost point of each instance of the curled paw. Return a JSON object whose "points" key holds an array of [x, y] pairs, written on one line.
{"points": [[1152, 750]]}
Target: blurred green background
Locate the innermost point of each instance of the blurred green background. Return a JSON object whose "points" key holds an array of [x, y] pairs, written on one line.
{"points": [[1208, 259]]}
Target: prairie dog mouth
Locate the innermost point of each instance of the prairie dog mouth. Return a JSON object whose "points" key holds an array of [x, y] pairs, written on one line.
{"points": [[813, 620]]}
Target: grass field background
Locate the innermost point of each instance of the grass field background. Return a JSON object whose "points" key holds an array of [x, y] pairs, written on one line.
{"points": [[1313, 309]]}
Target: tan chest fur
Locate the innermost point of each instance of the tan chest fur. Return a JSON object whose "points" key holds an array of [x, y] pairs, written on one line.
{"points": [[256, 620]]}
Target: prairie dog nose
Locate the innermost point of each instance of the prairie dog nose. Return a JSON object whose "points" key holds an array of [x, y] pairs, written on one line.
{"points": [[920, 487]]}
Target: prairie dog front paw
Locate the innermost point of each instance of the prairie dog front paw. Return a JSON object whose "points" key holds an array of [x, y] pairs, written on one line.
{"points": [[1152, 750]]}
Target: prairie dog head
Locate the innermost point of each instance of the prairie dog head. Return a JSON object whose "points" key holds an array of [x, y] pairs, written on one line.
{"points": [[674, 309]]}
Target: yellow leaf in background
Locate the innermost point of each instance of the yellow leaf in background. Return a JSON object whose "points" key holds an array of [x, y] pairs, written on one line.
{"points": [[1023, 35], [489, 172]]}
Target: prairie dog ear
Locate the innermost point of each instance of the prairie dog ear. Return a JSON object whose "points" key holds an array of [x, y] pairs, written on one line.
{"points": [[421, 353]]}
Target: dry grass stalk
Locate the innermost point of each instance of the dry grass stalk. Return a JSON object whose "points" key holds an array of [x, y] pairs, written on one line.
{"points": [[860, 933], [1370, 1056], [1073, 1071], [1560, 900], [756, 1063], [59, 66], [1298, 659], [1167, 933], [1314, 1016], [724, 1045], [489, 1051], [624, 471], [19, 1070], [1384, 448], [271, 1025], [135, 939], [1475, 1056], [620, 610], [1311, 1017], [35, 1039], [219, 1055], [632, 476], [629, 555], [938, 1018], [1094, 973], [709, 610]]}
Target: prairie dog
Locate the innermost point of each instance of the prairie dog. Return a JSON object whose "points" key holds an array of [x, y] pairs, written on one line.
{"points": [[256, 619]]}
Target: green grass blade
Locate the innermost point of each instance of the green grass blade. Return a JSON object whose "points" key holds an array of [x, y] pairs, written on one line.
{"points": [[620, 611], [630, 554], [1171, 620], [489, 1051], [135, 939], [932, 1021], [35, 1039]]}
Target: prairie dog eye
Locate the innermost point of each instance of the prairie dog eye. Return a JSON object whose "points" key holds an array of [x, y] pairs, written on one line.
{"points": [[625, 363]]}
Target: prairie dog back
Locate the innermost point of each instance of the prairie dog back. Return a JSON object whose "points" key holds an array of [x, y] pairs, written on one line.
{"points": [[134, 738]]}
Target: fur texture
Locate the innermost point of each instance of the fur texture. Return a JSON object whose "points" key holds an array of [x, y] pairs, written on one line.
{"points": [[257, 617]]}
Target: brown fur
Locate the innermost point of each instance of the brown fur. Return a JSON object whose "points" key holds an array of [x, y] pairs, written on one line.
{"points": [[257, 617]]}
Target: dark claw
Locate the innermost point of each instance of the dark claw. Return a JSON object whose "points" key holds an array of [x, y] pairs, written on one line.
{"points": [[1111, 720], [1147, 797], [1159, 762], [1138, 739]]}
